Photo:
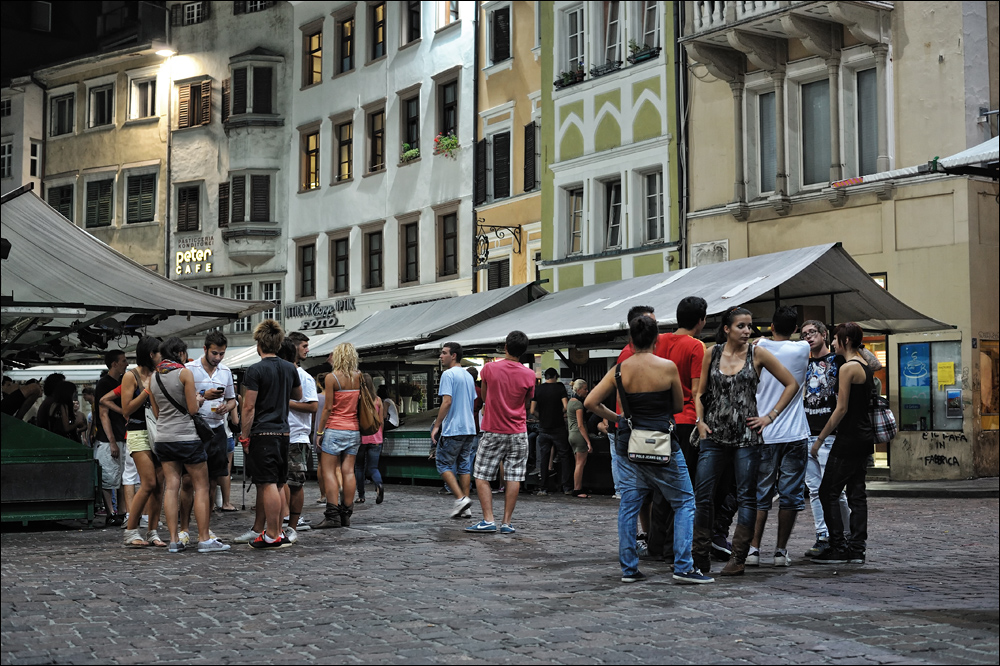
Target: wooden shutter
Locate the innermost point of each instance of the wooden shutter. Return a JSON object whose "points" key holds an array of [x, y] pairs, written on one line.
{"points": [[132, 203], [225, 100], [187, 208], [223, 205], [61, 198], [177, 15], [530, 175], [206, 10], [206, 101], [501, 165], [147, 197], [92, 194], [499, 275], [501, 34], [260, 198], [238, 201], [240, 90], [480, 160], [183, 107], [262, 89], [239, 7], [104, 201]]}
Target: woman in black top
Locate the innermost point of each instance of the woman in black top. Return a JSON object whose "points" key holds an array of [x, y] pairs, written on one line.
{"points": [[63, 416], [855, 441]]}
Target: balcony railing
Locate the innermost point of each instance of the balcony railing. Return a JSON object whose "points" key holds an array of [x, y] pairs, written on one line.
{"points": [[713, 14]]}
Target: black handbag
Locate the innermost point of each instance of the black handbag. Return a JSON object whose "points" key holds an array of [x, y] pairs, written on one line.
{"points": [[205, 432]]}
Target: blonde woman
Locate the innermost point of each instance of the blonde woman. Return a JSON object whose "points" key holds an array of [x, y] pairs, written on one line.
{"points": [[579, 439], [339, 434]]}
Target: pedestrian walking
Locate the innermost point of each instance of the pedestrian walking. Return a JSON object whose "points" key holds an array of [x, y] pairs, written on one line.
{"points": [[339, 433], [549, 404], [366, 464], [855, 441], [111, 433], [579, 439], [730, 430], [507, 388], [454, 429], [650, 391]]}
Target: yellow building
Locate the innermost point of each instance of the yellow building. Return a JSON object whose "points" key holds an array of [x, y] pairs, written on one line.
{"points": [[787, 98], [508, 178]]}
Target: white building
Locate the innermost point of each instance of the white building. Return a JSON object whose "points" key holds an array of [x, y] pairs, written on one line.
{"points": [[21, 135], [376, 216]]}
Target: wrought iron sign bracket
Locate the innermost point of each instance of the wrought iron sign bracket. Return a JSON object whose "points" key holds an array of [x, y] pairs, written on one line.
{"points": [[483, 232]]}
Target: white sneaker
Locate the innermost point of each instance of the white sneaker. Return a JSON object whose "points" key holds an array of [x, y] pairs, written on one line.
{"points": [[616, 496], [212, 546], [782, 560], [246, 537], [466, 514], [303, 525], [184, 538], [125, 521], [290, 534], [460, 506], [144, 521], [753, 559]]}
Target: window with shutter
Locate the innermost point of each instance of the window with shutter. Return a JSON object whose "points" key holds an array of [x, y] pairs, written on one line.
{"points": [[499, 274], [188, 199], [61, 198], [141, 199], [223, 205], [239, 7], [238, 201], [206, 102], [225, 100], [260, 198], [262, 89], [177, 15], [183, 106], [240, 90], [480, 159], [500, 27], [100, 202], [501, 165], [530, 173]]}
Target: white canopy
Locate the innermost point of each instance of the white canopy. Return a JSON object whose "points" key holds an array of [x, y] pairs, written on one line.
{"points": [[64, 287], [389, 332], [987, 152], [595, 316], [244, 357]]}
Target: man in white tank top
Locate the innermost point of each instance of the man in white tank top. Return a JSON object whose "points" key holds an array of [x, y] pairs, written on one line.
{"points": [[784, 454]]}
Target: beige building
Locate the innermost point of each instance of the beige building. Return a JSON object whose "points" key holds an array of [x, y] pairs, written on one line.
{"points": [[508, 178], [787, 98]]}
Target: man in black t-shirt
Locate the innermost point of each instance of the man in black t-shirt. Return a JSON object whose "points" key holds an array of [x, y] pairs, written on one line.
{"points": [[549, 404], [270, 384], [110, 439]]}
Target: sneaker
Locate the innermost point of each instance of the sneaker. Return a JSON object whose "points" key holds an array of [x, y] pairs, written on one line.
{"points": [[721, 546], [176, 547], [460, 506], [246, 537], [641, 536], [507, 528], [184, 538], [290, 534], [303, 521], [125, 522], [753, 559], [822, 543], [444, 491], [542, 492], [284, 521], [321, 500], [261, 543], [144, 522], [782, 559], [832, 556], [466, 514], [856, 556], [633, 578], [212, 546], [482, 526], [642, 549], [617, 496], [693, 577], [498, 491], [303, 525]]}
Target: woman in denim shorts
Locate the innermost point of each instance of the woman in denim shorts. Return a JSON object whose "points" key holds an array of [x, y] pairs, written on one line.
{"points": [[339, 434]]}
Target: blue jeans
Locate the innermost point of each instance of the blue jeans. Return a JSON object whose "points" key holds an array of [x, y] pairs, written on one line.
{"points": [[366, 464], [712, 462], [783, 469], [674, 483]]}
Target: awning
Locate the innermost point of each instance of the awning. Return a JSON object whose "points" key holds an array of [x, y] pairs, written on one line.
{"points": [[594, 316], [979, 160], [244, 357], [67, 294], [396, 331]]}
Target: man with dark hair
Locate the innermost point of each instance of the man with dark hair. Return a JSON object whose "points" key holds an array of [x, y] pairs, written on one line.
{"points": [[637, 311], [549, 404], [507, 389], [454, 429], [783, 457], [110, 438], [295, 349]]}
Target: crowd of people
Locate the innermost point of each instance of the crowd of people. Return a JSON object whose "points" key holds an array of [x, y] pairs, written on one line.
{"points": [[744, 421]]}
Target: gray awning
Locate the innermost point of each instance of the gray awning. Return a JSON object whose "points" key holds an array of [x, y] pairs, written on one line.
{"points": [[397, 330], [62, 286], [966, 162], [594, 316]]}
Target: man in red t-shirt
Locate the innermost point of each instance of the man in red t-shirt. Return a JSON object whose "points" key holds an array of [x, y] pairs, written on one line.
{"points": [[507, 388]]}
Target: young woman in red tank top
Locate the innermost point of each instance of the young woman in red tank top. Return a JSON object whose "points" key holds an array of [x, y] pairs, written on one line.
{"points": [[339, 435]]}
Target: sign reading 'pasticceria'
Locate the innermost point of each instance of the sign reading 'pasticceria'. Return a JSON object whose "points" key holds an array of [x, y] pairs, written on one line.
{"points": [[318, 315]]}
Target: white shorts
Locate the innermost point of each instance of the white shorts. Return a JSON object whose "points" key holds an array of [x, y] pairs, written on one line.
{"points": [[130, 476]]}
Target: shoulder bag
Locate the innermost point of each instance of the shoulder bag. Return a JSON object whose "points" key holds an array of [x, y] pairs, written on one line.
{"points": [[369, 420], [205, 432], [883, 421], [645, 447]]}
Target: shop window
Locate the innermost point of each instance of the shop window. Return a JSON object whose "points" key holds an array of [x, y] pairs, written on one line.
{"points": [[930, 386], [989, 384]]}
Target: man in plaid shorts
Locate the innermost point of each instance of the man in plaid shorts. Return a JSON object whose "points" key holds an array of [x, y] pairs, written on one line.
{"points": [[507, 388]]}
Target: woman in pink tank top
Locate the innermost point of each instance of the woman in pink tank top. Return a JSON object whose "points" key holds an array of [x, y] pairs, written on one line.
{"points": [[371, 449], [339, 434]]}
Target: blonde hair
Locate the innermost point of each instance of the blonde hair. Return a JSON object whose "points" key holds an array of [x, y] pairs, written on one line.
{"points": [[579, 384], [269, 336], [344, 359]]}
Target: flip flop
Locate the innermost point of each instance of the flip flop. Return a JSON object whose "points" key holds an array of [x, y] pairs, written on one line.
{"points": [[579, 494], [225, 510]]}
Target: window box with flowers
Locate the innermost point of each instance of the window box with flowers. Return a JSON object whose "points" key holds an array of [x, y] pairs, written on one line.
{"points": [[408, 154], [641, 52], [571, 77], [445, 144]]}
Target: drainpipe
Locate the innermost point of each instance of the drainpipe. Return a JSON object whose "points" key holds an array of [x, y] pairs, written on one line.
{"points": [[475, 141], [170, 135], [680, 101]]}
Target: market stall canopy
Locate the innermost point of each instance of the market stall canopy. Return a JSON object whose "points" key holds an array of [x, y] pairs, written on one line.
{"points": [[594, 316], [244, 357], [981, 160], [397, 330], [67, 294]]}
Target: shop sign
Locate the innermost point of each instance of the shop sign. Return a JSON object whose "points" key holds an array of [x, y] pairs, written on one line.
{"points": [[318, 316], [188, 243], [195, 260]]}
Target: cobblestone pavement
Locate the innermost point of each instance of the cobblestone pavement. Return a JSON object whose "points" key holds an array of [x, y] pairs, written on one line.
{"points": [[406, 585]]}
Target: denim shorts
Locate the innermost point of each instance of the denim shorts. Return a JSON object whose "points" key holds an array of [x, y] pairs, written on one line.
{"points": [[230, 445], [455, 454], [783, 469], [337, 442]]}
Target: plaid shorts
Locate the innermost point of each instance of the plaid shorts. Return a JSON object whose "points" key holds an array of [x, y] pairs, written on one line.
{"points": [[496, 449]]}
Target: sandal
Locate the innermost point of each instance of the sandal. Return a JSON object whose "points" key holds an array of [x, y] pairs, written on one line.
{"points": [[579, 494], [133, 540], [154, 539]]}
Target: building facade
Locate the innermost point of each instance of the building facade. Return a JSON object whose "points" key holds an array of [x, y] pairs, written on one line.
{"points": [[21, 135], [508, 193], [608, 142], [380, 197], [787, 98]]}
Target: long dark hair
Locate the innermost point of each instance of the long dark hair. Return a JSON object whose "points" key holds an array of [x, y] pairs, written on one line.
{"points": [[727, 320], [148, 345], [849, 332], [64, 394]]}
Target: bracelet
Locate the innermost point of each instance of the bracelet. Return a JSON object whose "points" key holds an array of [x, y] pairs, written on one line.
{"points": [[320, 432]]}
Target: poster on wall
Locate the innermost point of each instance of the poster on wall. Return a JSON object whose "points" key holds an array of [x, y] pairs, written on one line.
{"points": [[914, 386], [954, 402]]}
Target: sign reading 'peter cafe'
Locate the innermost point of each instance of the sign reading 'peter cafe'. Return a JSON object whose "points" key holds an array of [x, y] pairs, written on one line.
{"points": [[317, 315], [195, 260]]}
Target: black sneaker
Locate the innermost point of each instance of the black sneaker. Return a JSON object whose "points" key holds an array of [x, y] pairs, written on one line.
{"points": [[261, 543], [832, 556], [634, 578], [818, 548], [856, 557]]}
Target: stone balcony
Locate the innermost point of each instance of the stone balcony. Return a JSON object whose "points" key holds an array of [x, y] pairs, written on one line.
{"points": [[252, 243]]}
